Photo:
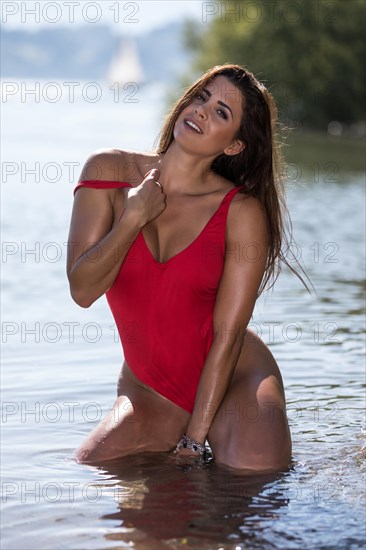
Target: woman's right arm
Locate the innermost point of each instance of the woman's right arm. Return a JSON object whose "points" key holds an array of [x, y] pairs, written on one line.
{"points": [[96, 247]]}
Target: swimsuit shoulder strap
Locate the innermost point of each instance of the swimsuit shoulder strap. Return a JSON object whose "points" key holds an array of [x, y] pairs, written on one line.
{"points": [[225, 203], [101, 184]]}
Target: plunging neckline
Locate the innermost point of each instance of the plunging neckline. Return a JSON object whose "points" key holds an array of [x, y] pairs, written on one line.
{"points": [[106, 184], [158, 262]]}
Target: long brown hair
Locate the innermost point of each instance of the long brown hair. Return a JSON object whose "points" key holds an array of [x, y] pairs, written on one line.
{"points": [[259, 168]]}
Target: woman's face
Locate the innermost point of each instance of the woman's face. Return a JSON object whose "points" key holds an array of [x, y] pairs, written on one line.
{"points": [[208, 125]]}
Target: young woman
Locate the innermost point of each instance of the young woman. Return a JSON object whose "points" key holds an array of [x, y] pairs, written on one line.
{"points": [[182, 241]]}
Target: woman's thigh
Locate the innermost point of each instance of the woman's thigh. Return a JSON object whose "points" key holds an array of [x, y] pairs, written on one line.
{"points": [[139, 421], [250, 430]]}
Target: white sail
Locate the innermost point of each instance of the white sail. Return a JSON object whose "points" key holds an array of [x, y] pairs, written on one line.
{"points": [[126, 66]]}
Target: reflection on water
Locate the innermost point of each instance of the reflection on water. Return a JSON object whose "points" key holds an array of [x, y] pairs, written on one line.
{"points": [[61, 363], [195, 507]]}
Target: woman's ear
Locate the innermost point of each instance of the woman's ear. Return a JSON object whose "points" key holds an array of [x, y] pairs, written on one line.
{"points": [[236, 147]]}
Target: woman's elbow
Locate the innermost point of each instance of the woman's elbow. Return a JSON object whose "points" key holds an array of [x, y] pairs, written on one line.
{"points": [[81, 297], [81, 300]]}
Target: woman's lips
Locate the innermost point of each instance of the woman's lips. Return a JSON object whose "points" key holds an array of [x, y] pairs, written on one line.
{"points": [[192, 125]]}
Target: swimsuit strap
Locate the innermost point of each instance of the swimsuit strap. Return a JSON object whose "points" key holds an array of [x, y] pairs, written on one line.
{"points": [[101, 184], [226, 201]]}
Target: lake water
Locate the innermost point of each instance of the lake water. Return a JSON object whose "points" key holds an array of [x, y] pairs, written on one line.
{"points": [[61, 362]]}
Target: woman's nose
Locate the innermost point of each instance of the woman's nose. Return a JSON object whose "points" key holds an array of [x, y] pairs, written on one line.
{"points": [[201, 111]]}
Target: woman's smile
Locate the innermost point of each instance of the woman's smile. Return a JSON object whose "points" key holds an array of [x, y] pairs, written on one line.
{"points": [[193, 125]]}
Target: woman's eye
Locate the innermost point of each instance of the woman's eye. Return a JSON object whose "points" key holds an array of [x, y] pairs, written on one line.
{"points": [[222, 113]]}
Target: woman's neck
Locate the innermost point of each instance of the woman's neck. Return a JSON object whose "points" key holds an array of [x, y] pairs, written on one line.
{"points": [[181, 172]]}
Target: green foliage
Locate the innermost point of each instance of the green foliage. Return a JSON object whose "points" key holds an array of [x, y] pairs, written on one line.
{"points": [[309, 53]]}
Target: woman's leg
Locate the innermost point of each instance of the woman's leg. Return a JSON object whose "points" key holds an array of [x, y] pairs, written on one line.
{"points": [[140, 420], [250, 430]]}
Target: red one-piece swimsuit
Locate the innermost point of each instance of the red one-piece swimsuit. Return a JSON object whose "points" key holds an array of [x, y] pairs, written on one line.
{"points": [[164, 310]]}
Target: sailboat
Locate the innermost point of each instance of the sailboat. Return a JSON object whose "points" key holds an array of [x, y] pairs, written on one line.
{"points": [[126, 66]]}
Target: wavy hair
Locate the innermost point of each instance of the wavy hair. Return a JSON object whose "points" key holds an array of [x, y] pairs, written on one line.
{"points": [[259, 168]]}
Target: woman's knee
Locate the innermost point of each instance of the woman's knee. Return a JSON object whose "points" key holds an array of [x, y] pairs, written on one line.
{"points": [[117, 434], [131, 427], [110, 446]]}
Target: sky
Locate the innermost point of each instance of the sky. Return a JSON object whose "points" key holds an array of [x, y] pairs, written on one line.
{"points": [[131, 17]]}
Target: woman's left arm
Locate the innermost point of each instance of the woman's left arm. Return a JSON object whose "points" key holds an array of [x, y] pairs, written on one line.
{"points": [[245, 262]]}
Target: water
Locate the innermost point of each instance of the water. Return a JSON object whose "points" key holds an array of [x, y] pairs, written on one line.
{"points": [[61, 362]]}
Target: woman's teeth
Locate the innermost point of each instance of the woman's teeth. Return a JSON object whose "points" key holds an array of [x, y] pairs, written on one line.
{"points": [[193, 125]]}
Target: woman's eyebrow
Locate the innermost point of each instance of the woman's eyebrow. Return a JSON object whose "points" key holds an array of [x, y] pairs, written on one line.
{"points": [[219, 102]]}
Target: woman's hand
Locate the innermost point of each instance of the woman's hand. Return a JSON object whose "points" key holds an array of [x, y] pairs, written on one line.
{"points": [[147, 200], [189, 451]]}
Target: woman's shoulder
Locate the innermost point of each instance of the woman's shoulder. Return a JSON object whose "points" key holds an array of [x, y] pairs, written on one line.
{"points": [[225, 185], [117, 165]]}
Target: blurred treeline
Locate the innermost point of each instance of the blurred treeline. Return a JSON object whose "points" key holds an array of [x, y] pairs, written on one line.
{"points": [[309, 53]]}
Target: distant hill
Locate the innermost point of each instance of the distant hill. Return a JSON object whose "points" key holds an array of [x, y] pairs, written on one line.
{"points": [[86, 53]]}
